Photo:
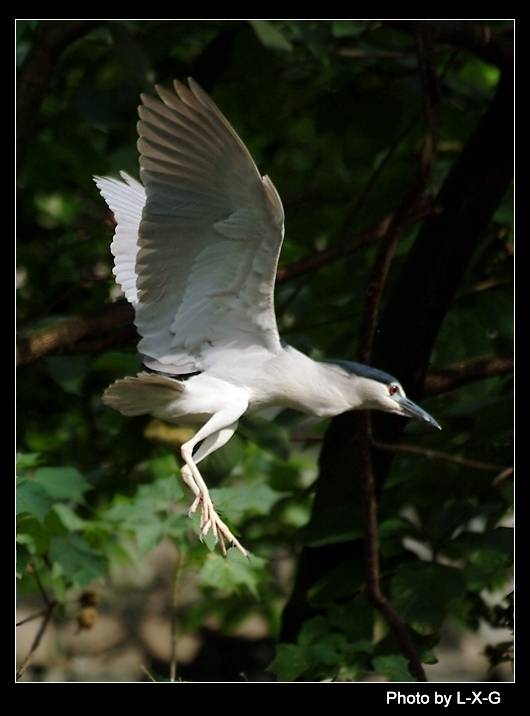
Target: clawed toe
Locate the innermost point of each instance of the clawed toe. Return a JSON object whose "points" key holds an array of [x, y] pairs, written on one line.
{"points": [[211, 522]]}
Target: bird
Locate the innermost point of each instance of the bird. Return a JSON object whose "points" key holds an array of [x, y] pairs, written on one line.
{"points": [[196, 249]]}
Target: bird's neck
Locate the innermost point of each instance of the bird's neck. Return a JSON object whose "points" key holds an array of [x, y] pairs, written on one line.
{"points": [[309, 386]]}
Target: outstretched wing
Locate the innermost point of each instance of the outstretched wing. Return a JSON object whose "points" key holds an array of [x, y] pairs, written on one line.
{"points": [[209, 237], [126, 200]]}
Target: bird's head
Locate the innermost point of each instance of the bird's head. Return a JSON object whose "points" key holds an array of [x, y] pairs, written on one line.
{"points": [[373, 389]]}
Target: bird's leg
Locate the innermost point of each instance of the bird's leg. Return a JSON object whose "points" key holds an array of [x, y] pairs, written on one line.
{"points": [[190, 482], [210, 520]]}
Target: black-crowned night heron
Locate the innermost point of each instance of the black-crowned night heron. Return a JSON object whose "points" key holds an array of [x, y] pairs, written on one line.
{"points": [[196, 249]]}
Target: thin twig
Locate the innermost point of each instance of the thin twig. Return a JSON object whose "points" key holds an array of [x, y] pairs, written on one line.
{"points": [[42, 613], [146, 672], [371, 553], [348, 244], [437, 455], [175, 601], [503, 475], [47, 616], [40, 585]]}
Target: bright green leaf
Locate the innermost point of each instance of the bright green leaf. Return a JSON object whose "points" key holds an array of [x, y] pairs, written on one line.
{"points": [[27, 460], [149, 536], [33, 498], [232, 572], [69, 518], [76, 559], [257, 496], [62, 483], [164, 466], [165, 491]]}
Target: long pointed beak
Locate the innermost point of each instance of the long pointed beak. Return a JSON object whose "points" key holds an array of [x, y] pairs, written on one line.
{"points": [[414, 411]]}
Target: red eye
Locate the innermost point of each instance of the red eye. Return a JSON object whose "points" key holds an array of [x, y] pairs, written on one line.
{"points": [[393, 389]]}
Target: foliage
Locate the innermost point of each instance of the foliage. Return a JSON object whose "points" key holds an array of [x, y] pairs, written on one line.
{"points": [[332, 112]]}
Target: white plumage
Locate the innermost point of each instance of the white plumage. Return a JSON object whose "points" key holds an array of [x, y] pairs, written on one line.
{"points": [[196, 249]]}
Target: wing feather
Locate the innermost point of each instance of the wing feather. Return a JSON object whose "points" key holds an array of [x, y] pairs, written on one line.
{"points": [[126, 200], [209, 239], [196, 250]]}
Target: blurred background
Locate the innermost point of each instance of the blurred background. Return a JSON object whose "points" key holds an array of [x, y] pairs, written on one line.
{"points": [[375, 133]]}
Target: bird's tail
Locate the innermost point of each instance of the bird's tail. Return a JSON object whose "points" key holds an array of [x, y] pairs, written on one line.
{"points": [[142, 394]]}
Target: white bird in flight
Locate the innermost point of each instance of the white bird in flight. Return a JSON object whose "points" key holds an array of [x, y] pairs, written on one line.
{"points": [[195, 251]]}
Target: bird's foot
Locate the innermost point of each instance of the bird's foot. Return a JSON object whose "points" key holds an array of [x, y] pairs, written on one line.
{"points": [[211, 522]]}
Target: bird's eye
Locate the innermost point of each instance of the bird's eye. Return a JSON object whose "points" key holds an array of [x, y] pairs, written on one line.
{"points": [[393, 389]]}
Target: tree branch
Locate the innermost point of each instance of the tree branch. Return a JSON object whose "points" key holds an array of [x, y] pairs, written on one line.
{"points": [[465, 372], [371, 549], [90, 334], [424, 208], [474, 37], [437, 455], [63, 336]]}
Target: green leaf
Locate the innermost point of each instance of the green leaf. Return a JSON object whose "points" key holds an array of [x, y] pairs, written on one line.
{"points": [[422, 592], [23, 557], [347, 28], [490, 554], [68, 517], [149, 514], [123, 363], [177, 526], [394, 667], [149, 536], [63, 483], [343, 580], [257, 496], [313, 630], [234, 571], [450, 518], [164, 466], [269, 36], [355, 619], [69, 371], [268, 434], [318, 661], [33, 498], [291, 661], [27, 460], [76, 559], [165, 491], [501, 540], [34, 535]]}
